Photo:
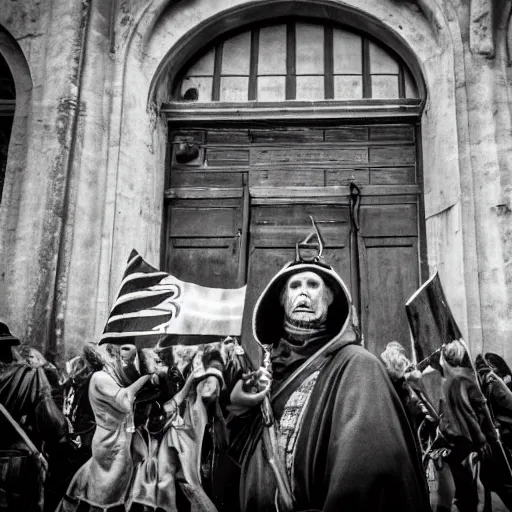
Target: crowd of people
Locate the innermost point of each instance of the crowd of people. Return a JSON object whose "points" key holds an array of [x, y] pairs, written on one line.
{"points": [[465, 437], [323, 425]]}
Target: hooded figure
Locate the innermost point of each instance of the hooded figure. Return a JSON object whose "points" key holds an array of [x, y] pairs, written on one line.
{"points": [[343, 438]]}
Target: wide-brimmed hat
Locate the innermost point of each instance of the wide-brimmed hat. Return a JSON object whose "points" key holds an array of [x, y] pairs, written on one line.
{"points": [[6, 338], [498, 362]]}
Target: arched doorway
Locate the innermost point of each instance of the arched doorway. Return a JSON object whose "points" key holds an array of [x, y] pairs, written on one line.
{"points": [[7, 106], [270, 124]]}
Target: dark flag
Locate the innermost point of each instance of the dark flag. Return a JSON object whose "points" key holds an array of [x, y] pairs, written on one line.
{"points": [[152, 306], [430, 319]]}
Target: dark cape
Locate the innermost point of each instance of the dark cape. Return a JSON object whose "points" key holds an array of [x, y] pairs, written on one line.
{"points": [[355, 449], [26, 393]]}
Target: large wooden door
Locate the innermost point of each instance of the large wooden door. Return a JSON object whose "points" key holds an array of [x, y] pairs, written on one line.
{"points": [[239, 200]]}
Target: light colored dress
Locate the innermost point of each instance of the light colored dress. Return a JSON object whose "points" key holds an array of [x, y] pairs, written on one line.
{"points": [[103, 480]]}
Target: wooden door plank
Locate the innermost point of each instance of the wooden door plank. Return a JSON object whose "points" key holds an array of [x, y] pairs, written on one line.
{"points": [[389, 220], [286, 178], [187, 179], [393, 176], [296, 155]]}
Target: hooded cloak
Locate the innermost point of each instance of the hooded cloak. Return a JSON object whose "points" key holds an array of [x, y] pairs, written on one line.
{"points": [[351, 446]]}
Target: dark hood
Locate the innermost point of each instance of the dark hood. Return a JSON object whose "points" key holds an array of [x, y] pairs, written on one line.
{"points": [[268, 316]]}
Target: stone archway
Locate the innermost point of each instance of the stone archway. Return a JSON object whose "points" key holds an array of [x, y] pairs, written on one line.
{"points": [[10, 205], [431, 41]]}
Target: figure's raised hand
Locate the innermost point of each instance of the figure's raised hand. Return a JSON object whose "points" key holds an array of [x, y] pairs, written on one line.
{"points": [[257, 381], [250, 391]]}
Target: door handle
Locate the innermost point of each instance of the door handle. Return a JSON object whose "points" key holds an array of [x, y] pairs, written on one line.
{"points": [[238, 242]]}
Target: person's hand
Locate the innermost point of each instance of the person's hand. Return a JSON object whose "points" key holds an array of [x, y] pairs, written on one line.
{"points": [[485, 452], [242, 401], [256, 381], [154, 379]]}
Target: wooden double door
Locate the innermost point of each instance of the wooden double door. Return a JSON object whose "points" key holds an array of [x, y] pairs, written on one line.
{"points": [[238, 200]]}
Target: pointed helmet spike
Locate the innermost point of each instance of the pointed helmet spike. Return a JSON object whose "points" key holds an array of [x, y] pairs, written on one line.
{"points": [[319, 237], [307, 243]]}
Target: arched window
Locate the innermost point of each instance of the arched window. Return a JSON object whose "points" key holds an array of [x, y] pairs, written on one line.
{"points": [[7, 102], [295, 61]]}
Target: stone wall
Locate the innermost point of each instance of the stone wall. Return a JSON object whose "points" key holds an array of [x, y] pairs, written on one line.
{"points": [[86, 164]]}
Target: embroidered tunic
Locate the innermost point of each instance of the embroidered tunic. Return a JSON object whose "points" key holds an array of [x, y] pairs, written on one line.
{"points": [[291, 422]]}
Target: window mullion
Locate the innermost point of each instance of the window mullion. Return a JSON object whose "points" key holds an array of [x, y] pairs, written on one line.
{"points": [[291, 68], [328, 63], [217, 69], [253, 68], [367, 79]]}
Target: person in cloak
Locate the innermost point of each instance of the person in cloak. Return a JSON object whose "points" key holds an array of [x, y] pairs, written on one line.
{"points": [[407, 382], [495, 473], [465, 428], [28, 483], [499, 367], [340, 438]]}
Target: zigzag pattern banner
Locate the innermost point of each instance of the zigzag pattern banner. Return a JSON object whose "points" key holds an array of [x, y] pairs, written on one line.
{"points": [[154, 307]]}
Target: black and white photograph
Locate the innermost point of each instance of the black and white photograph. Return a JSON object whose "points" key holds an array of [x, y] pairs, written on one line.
{"points": [[255, 255]]}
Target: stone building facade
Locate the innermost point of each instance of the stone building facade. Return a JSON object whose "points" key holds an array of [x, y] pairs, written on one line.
{"points": [[106, 97]]}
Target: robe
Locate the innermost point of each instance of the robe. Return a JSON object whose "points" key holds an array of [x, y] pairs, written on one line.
{"points": [[355, 449], [103, 481]]}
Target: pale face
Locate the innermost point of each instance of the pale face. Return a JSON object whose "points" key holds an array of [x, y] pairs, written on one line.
{"points": [[306, 298], [128, 353], [34, 358]]}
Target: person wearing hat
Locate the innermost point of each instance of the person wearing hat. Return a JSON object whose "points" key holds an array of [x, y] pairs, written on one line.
{"points": [[342, 438], [499, 367], [25, 393]]}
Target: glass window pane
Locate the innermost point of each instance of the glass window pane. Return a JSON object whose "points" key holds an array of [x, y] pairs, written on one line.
{"points": [[310, 88], [204, 66], [271, 88], [309, 49], [347, 87], [272, 51], [347, 53], [203, 85], [236, 55], [411, 91], [381, 61], [385, 86], [234, 88]]}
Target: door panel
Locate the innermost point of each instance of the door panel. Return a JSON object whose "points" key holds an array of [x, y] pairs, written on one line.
{"points": [[204, 241], [204, 261], [392, 277]]}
